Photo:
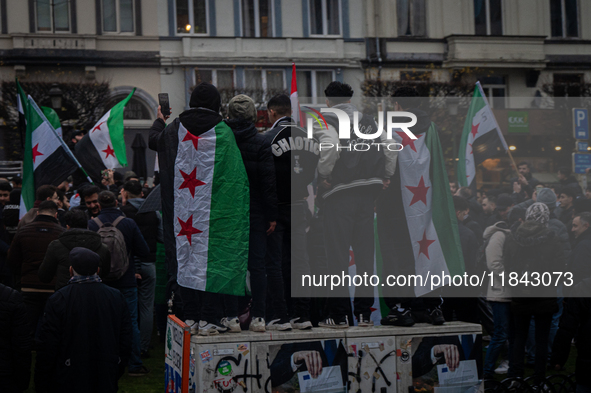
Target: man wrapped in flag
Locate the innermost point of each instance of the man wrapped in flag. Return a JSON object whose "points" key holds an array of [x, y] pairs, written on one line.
{"points": [[416, 221], [205, 206]]}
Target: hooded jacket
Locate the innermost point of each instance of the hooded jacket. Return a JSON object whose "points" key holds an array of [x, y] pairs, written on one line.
{"points": [[496, 235], [28, 251], [580, 260], [164, 140], [260, 168], [346, 168], [533, 247], [57, 259]]}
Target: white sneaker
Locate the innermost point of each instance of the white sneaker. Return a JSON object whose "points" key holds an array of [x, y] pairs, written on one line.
{"points": [[362, 322], [210, 329], [194, 326], [300, 323], [257, 325], [233, 324], [503, 367], [279, 324]]}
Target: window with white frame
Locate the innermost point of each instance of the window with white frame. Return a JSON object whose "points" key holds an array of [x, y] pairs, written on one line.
{"points": [[220, 78], [495, 90], [257, 18], [53, 16], [191, 16], [311, 85], [488, 17], [564, 18], [325, 17], [411, 17], [118, 16]]}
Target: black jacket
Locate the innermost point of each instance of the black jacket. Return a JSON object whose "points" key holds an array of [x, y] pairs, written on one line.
{"points": [[148, 224], [295, 162], [575, 322], [580, 260], [260, 168], [572, 182], [57, 259], [15, 342], [84, 340], [164, 140], [134, 241], [28, 251], [533, 247]]}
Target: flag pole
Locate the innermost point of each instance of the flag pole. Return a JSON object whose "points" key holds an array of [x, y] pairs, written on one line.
{"points": [[498, 129]]}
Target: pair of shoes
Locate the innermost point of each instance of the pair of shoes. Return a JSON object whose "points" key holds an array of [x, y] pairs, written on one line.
{"points": [[433, 316], [335, 323], [233, 324], [210, 329], [300, 323], [281, 324], [257, 324], [145, 355], [193, 326], [363, 321], [143, 370], [398, 318], [503, 367]]}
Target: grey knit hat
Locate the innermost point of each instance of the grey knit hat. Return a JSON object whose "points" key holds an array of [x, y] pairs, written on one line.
{"points": [[242, 107], [546, 196], [538, 212]]}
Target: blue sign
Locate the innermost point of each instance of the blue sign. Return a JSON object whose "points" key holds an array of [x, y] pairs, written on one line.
{"points": [[582, 146], [581, 123], [581, 162]]}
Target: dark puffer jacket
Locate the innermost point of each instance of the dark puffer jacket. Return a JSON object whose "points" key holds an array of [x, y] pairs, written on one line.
{"points": [[57, 259], [15, 342], [260, 168], [28, 251], [533, 247]]}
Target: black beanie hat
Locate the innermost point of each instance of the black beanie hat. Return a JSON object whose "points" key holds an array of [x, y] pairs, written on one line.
{"points": [[207, 96], [84, 261]]}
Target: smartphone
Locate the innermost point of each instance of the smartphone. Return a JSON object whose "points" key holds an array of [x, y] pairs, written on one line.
{"points": [[164, 104]]}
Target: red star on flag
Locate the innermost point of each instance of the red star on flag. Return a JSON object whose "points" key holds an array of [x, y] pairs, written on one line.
{"points": [[351, 258], [471, 152], [406, 141], [474, 130], [109, 152], [190, 181], [192, 138], [424, 245], [419, 193], [36, 152], [187, 229], [98, 127]]}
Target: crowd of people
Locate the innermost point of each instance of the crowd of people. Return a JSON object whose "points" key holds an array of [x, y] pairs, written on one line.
{"points": [[79, 270]]}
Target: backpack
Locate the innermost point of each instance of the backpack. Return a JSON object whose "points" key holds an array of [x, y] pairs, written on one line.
{"points": [[115, 242]]}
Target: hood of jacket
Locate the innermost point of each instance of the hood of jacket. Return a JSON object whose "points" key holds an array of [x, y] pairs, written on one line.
{"points": [[199, 120], [498, 227], [242, 129], [81, 238], [532, 233], [136, 202]]}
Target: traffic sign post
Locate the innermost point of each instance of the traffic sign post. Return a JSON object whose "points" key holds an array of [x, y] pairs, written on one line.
{"points": [[582, 146], [581, 162], [580, 123]]}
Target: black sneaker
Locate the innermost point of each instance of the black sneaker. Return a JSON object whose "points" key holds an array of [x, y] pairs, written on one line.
{"points": [[398, 318], [143, 370], [434, 316], [335, 323]]}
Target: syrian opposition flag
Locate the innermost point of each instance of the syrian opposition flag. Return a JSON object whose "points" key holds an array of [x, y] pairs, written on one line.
{"points": [[296, 113], [428, 206], [211, 211], [103, 147], [47, 159], [481, 139]]}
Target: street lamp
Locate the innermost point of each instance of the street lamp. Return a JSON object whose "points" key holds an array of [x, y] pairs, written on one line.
{"points": [[56, 94]]}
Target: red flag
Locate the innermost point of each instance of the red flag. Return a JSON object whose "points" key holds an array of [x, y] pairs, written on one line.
{"points": [[296, 113]]}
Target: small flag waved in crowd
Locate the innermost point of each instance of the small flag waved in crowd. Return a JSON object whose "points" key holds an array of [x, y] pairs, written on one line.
{"points": [[103, 147], [296, 113], [481, 139]]}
